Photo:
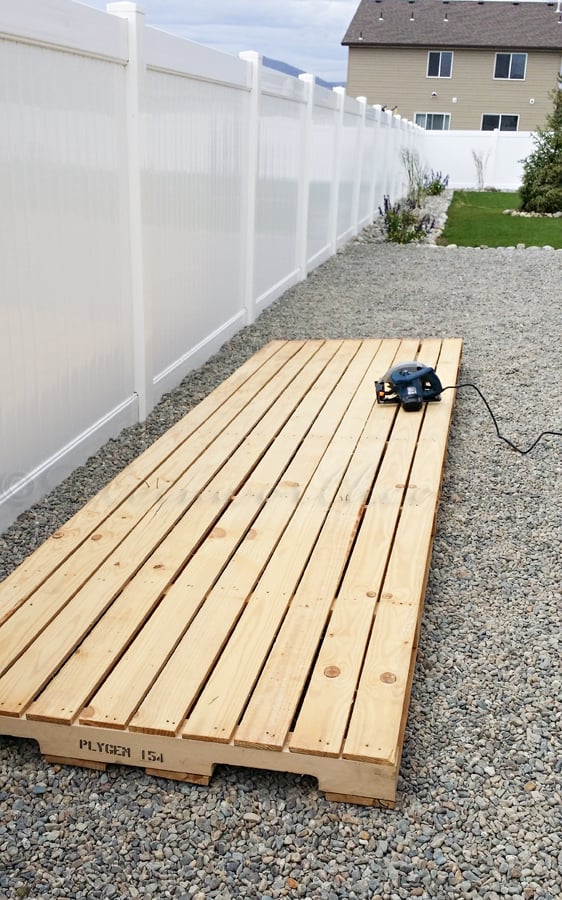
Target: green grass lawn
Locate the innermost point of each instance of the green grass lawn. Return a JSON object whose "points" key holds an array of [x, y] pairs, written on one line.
{"points": [[475, 219]]}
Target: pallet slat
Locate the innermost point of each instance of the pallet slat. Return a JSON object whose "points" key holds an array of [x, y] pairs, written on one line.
{"points": [[249, 591]]}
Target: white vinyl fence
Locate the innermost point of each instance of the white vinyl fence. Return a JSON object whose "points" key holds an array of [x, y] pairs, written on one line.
{"points": [[157, 195], [499, 155]]}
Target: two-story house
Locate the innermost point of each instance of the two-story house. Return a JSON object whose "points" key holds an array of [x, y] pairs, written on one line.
{"points": [[457, 63]]}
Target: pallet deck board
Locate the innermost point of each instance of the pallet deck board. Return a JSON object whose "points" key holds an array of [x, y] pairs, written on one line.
{"points": [[250, 589]]}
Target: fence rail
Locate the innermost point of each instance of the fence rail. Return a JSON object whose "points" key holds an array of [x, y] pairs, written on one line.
{"points": [[157, 196]]}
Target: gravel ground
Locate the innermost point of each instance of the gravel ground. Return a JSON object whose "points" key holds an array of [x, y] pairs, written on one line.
{"points": [[479, 806]]}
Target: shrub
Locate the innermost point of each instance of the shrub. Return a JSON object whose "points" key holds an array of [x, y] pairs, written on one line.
{"points": [[434, 183], [541, 189], [403, 224], [421, 183]]}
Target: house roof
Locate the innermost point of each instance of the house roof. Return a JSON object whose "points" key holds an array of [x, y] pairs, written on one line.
{"points": [[458, 23]]}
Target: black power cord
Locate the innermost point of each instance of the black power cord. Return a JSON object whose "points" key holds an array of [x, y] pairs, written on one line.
{"points": [[456, 387]]}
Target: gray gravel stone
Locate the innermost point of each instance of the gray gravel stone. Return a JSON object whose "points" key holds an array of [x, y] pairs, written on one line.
{"points": [[479, 806]]}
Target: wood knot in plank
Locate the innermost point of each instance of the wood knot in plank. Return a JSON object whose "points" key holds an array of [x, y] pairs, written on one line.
{"points": [[388, 677], [332, 671]]}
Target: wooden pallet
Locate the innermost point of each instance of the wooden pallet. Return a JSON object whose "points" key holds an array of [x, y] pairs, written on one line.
{"points": [[249, 590]]}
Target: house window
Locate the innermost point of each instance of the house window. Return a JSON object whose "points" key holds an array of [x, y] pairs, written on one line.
{"points": [[491, 121], [433, 121], [439, 64], [510, 65]]}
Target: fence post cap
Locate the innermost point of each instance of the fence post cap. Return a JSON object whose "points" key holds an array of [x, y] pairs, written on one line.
{"points": [[250, 56], [124, 6]]}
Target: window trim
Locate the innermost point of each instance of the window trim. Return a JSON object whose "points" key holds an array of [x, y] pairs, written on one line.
{"points": [[500, 116], [446, 115], [440, 52], [511, 55]]}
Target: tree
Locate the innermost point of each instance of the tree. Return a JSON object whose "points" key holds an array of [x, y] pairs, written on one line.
{"points": [[541, 190]]}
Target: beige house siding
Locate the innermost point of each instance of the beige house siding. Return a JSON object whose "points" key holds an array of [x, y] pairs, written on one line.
{"points": [[397, 77]]}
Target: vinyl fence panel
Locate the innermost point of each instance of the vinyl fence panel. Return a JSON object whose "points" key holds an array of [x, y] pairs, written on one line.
{"points": [[194, 113], [280, 113], [322, 168], [350, 167], [65, 305], [498, 155]]}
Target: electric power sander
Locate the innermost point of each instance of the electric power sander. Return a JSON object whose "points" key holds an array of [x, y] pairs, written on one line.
{"points": [[409, 383]]}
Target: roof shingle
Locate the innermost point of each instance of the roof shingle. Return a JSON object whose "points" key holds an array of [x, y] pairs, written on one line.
{"points": [[455, 23]]}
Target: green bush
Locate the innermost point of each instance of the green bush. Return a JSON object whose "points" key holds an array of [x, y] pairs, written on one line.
{"points": [[434, 183], [403, 224], [541, 189]]}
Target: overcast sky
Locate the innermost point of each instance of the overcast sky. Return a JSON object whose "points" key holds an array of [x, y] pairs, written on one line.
{"points": [[304, 33]]}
